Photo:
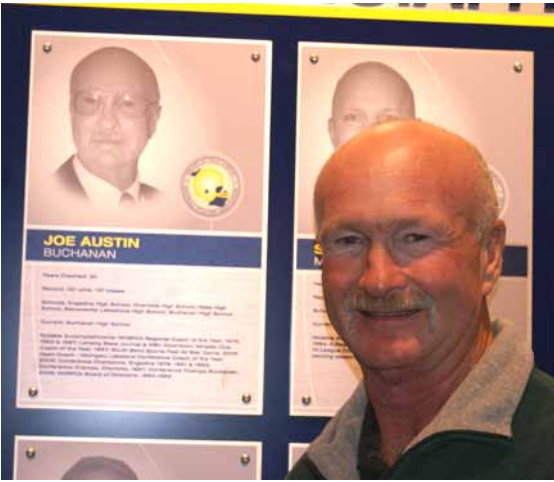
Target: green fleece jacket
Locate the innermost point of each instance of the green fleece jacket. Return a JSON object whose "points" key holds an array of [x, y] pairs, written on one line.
{"points": [[498, 424]]}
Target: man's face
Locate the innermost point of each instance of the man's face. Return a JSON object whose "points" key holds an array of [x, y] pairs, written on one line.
{"points": [[365, 100], [403, 275], [114, 111]]}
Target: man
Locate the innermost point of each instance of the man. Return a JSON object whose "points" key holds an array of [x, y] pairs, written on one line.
{"points": [[114, 110], [406, 214], [100, 468], [367, 93]]}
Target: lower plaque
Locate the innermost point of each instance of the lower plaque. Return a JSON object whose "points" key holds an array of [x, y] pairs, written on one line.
{"points": [[69, 458]]}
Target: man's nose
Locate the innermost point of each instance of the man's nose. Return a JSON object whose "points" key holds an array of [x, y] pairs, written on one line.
{"points": [[108, 115], [381, 274]]}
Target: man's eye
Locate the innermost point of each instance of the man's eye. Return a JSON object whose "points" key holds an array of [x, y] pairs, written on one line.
{"points": [[131, 106], [350, 244], [411, 238], [348, 240], [128, 101], [90, 99], [87, 103], [354, 118]]}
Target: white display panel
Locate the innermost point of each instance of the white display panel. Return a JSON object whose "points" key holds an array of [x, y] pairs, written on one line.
{"points": [[483, 95], [157, 304], [69, 458]]}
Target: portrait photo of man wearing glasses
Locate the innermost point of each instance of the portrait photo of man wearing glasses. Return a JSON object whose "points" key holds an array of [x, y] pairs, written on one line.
{"points": [[114, 109]]}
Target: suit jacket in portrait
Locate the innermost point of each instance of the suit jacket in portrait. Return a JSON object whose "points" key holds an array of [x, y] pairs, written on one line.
{"points": [[67, 178]]}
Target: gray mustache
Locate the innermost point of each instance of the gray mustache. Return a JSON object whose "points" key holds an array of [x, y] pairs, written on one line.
{"points": [[393, 302]]}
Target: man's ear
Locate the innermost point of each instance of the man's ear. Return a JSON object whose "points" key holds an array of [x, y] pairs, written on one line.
{"points": [[154, 112], [491, 255], [332, 132]]}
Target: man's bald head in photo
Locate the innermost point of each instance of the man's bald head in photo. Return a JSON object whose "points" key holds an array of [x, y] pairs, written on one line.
{"points": [[100, 468], [367, 93]]}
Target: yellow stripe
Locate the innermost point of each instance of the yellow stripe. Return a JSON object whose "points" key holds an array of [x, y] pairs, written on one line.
{"points": [[370, 13]]}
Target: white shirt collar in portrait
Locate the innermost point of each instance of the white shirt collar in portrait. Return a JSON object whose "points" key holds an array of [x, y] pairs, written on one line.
{"points": [[101, 193]]}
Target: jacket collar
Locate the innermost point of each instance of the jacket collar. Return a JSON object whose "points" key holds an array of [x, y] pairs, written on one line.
{"points": [[484, 402]]}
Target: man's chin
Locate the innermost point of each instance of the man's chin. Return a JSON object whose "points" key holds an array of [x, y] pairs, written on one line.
{"points": [[108, 153], [385, 346], [108, 158], [395, 357]]}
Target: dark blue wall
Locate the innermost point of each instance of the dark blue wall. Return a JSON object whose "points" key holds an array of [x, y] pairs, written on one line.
{"points": [[275, 428]]}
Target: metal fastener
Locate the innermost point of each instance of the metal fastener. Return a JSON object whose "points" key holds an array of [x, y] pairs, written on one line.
{"points": [[314, 58], [47, 47], [306, 400], [246, 398], [518, 67], [255, 56], [245, 459], [30, 452], [33, 391]]}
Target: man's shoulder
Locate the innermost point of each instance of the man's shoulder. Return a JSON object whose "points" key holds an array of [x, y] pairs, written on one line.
{"points": [[149, 193], [66, 171], [66, 178], [334, 453], [533, 427], [304, 469], [542, 382], [537, 402]]}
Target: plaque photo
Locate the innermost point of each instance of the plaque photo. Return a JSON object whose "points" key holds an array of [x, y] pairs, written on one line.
{"points": [[486, 96], [70, 458], [144, 261]]}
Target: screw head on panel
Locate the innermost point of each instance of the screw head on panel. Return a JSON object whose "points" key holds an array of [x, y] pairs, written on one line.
{"points": [[47, 47], [314, 58], [246, 398], [30, 452], [33, 392], [306, 400], [518, 67], [245, 459], [255, 56]]}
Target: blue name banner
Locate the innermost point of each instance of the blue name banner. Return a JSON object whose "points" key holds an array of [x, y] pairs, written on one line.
{"points": [[515, 258], [306, 257], [138, 248]]}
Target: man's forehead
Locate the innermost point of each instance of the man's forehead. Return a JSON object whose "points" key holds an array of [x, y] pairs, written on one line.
{"points": [[113, 69], [371, 87], [405, 156], [108, 79], [371, 76], [373, 218], [401, 141], [371, 99], [382, 156], [399, 174], [385, 203]]}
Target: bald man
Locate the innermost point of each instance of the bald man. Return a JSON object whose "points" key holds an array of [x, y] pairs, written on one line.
{"points": [[114, 107], [367, 93], [100, 468], [407, 217]]}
